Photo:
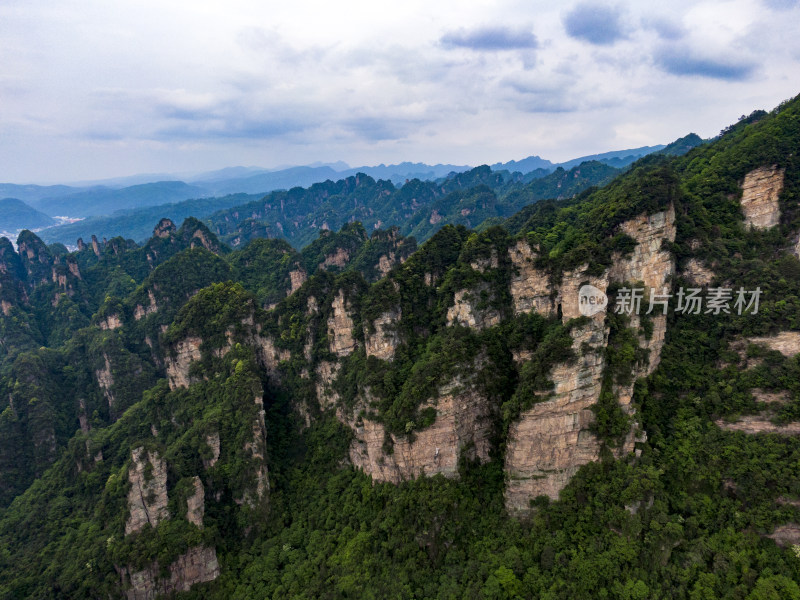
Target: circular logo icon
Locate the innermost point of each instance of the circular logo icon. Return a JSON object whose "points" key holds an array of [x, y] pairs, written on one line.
{"points": [[591, 300]]}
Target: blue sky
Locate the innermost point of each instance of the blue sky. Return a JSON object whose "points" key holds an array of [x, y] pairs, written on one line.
{"points": [[92, 89]]}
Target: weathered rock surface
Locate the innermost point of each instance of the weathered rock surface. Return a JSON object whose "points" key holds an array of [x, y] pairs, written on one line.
{"points": [[297, 278], [786, 535], [650, 262], [196, 504], [326, 374], [786, 342], [779, 397], [530, 287], [760, 191], [385, 339], [105, 379], [198, 565], [753, 424], [111, 322], [212, 441], [140, 312], [552, 440], [269, 356], [147, 498], [697, 273], [186, 352], [338, 259], [257, 450], [164, 229], [340, 327], [462, 425], [468, 312], [385, 263]]}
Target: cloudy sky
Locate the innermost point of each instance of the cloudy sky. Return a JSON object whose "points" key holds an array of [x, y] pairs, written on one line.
{"points": [[92, 88]]}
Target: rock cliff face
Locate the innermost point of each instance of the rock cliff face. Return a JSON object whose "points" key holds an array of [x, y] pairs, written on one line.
{"points": [[296, 278], [139, 311], [760, 191], [385, 339], [468, 312], [340, 327], [186, 352], [198, 565], [785, 342], [462, 425], [753, 424], [552, 440], [268, 355], [147, 498], [196, 504], [212, 441], [111, 322], [338, 259], [697, 273], [105, 380], [256, 448], [530, 287], [326, 374]]}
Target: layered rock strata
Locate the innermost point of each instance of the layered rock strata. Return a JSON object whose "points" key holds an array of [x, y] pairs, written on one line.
{"points": [[198, 565], [384, 340], [462, 425], [760, 191], [553, 439], [147, 498]]}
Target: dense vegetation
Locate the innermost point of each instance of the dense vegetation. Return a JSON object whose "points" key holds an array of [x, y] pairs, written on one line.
{"points": [[86, 337], [418, 208]]}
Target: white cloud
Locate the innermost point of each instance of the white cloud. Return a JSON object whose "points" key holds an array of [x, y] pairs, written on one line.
{"points": [[104, 89]]}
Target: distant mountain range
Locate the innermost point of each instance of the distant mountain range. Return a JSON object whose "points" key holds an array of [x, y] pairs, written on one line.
{"points": [[106, 198], [15, 214]]}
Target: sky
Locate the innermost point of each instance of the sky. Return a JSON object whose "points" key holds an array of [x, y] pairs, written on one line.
{"points": [[91, 89]]}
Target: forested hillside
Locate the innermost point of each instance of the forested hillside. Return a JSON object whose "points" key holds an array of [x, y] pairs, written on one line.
{"points": [[424, 411], [418, 208]]}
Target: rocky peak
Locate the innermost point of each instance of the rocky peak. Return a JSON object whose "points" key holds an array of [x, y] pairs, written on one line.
{"points": [[96, 246], [35, 256], [164, 229], [10, 261]]}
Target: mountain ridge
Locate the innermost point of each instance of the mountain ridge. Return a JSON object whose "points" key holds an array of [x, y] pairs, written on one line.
{"points": [[368, 418]]}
